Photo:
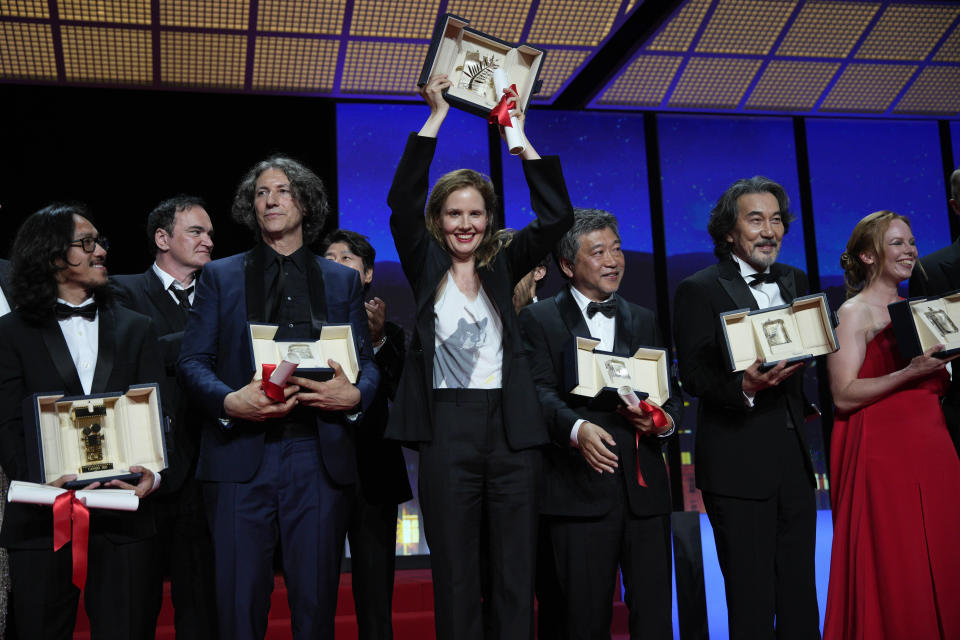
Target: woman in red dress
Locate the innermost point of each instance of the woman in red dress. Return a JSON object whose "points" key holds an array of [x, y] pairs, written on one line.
{"points": [[895, 567]]}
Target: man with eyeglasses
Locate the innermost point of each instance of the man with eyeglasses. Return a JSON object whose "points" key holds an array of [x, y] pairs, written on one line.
{"points": [[65, 334], [180, 237]]}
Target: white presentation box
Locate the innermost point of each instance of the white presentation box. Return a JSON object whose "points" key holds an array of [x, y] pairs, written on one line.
{"points": [[335, 342], [97, 437], [600, 374], [801, 330], [920, 323], [469, 57]]}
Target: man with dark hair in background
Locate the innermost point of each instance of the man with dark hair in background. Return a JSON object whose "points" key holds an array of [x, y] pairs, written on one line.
{"points": [[66, 335], [940, 274], [180, 236], [382, 481], [607, 502], [752, 462], [276, 473], [525, 291]]}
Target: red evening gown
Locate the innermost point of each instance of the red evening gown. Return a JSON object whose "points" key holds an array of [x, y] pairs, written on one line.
{"points": [[895, 476]]}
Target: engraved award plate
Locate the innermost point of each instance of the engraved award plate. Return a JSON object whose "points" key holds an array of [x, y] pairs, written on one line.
{"points": [[89, 421], [776, 333], [941, 322], [476, 73]]}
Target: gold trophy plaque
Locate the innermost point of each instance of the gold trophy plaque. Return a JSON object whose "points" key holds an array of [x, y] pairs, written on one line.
{"points": [[89, 421]]}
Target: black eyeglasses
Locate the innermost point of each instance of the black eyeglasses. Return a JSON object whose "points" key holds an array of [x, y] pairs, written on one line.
{"points": [[89, 244]]}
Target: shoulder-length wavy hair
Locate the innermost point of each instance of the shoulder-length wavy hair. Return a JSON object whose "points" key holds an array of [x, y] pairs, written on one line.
{"points": [[307, 188], [494, 239], [39, 254], [867, 237]]}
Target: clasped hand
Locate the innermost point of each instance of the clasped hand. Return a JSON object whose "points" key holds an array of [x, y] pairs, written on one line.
{"points": [[754, 380], [336, 394], [642, 421]]}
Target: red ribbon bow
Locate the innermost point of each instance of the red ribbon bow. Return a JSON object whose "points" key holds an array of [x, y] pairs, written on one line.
{"points": [[71, 522], [501, 113], [659, 420]]}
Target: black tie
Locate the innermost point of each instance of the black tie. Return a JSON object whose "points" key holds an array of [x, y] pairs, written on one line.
{"points": [[64, 311], [608, 308], [183, 295], [756, 279], [275, 295]]}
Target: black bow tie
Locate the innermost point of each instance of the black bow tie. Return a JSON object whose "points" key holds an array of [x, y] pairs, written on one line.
{"points": [[608, 308], [756, 279], [64, 311]]}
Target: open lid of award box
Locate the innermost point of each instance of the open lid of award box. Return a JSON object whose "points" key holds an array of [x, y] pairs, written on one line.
{"points": [[920, 323], [468, 57], [592, 373], [800, 330], [335, 342], [98, 437]]}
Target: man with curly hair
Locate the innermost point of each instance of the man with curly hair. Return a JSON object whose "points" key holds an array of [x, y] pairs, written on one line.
{"points": [[276, 473]]}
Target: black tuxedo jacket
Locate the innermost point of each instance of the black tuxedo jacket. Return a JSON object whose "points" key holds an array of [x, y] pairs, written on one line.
{"points": [[5, 279], [425, 263], [942, 270], [572, 488], [35, 359], [733, 441]]}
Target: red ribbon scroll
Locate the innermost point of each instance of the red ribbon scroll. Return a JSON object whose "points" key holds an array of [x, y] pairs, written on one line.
{"points": [[71, 522], [659, 420], [272, 391], [501, 113]]}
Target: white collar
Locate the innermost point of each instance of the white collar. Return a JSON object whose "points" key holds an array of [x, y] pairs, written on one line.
{"points": [[745, 269], [76, 306], [582, 300], [168, 279]]}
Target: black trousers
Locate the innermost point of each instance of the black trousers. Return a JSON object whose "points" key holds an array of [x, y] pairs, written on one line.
{"points": [[766, 552], [372, 531], [471, 480]]}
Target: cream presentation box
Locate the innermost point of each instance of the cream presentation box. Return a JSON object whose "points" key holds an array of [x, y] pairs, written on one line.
{"points": [[97, 437], [793, 332], [469, 58], [920, 323], [335, 342], [600, 374]]}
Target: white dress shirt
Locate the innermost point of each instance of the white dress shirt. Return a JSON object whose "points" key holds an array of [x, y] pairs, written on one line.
{"points": [[4, 305], [766, 294], [169, 280], [83, 339]]}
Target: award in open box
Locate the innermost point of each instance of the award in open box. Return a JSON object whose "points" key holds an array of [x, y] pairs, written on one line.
{"points": [[602, 375], [335, 343], [793, 332], [921, 323], [97, 437], [469, 59]]}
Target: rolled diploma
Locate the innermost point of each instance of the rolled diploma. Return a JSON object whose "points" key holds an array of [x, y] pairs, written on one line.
{"points": [[32, 493], [515, 138], [628, 396], [285, 369]]}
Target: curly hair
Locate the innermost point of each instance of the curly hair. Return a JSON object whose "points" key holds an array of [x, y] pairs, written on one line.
{"points": [[307, 188], [39, 253], [493, 239], [165, 215], [867, 237], [723, 216]]}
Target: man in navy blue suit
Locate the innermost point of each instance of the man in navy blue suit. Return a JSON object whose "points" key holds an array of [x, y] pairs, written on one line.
{"points": [[276, 473]]}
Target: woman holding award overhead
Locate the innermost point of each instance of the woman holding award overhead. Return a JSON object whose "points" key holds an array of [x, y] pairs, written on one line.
{"points": [[467, 398], [895, 567]]}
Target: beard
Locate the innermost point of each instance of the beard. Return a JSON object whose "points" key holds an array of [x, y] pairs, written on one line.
{"points": [[763, 260]]}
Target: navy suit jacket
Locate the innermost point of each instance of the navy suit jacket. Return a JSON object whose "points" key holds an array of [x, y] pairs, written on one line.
{"points": [[216, 359]]}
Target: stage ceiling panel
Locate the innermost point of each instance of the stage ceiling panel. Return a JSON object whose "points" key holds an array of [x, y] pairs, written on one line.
{"points": [[896, 58]]}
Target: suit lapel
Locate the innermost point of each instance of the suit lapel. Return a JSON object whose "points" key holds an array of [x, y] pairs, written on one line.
{"points": [[571, 314], [624, 323], [253, 284], [60, 354], [786, 282], [106, 350], [318, 294], [735, 286], [161, 299], [951, 272]]}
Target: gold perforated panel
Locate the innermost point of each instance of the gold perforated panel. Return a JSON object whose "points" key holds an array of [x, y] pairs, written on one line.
{"points": [[679, 32], [26, 51], [25, 8], [714, 82], [907, 31], [936, 90], [212, 14], [202, 59], [644, 82], [382, 67], [745, 26], [294, 64], [867, 88], [313, 16], [558, 66], [502, 20], [791, 85], [950, 49], [126, 11], [827, 29], [394, 18], [110, 55], [576, 22], [631, 5]]}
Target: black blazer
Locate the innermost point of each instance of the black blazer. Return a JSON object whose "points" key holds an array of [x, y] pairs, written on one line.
{"points": [[733, 441], [572, 488], [35, 359], [942, 270], [425, 263], [5, 279]]}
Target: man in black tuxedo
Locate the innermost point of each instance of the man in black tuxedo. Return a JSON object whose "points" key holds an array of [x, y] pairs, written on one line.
{"points": [[607, 501], [4, 572], [752, 463], [940, 275], [180, 235], [382, 481], [66, 336]]}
